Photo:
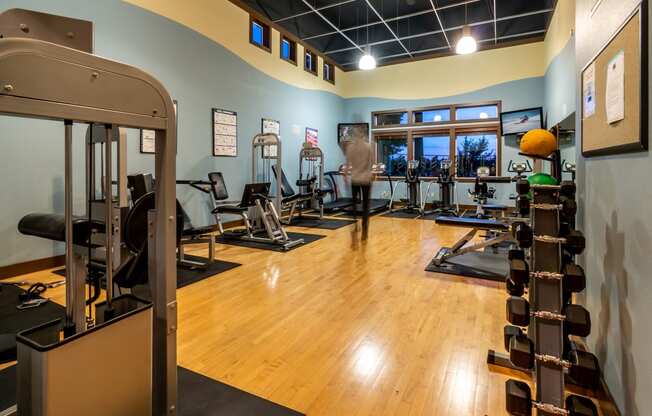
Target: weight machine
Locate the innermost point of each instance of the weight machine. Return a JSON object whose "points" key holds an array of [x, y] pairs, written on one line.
{"points": [[88, 89]]}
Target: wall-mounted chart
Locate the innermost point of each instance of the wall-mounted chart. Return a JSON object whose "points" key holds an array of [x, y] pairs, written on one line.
{"points": [[268, 125], [225, 133]]}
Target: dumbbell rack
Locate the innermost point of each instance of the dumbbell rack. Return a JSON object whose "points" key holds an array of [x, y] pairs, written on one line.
{"points": [[547, 298]]}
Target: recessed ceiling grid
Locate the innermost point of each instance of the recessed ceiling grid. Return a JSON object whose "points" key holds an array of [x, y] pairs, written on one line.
{"points": [[403, 30]]}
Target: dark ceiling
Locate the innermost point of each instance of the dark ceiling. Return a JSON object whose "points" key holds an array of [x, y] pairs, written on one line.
{"points": [[399, 30]]}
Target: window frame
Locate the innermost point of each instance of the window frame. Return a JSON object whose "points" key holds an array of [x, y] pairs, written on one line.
{"points": [[314, 58], [331, 72], [451, 128], [293, 49], [267, 34], [476, 130], [399, 135]]}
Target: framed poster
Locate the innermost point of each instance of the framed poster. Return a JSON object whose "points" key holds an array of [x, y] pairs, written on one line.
{"points": [[148, 137], [312, 136], [270, 126], [225, 133], [614, 113]]}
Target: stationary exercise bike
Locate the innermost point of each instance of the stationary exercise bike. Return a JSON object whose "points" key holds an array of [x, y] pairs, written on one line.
{"points": [[482, 192]]}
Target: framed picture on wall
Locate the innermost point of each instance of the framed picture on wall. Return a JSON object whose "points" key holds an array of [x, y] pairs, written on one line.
{"points": [[225, 133], [312, 136], [270, 126], [148, 137]]}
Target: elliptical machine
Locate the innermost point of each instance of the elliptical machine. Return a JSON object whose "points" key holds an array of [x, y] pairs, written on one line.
{"points": [[414, 203], [444, 206]]}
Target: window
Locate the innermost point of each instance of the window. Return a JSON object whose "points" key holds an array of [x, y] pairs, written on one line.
{"points": [[430, 151], [475, 150], [477, 113], [288, 50], [259, 34], [310, 63], [389, 119], [432, 116], [329, 72], [393, 152]]}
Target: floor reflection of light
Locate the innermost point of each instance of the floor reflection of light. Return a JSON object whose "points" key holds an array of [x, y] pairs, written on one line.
{"points": [[465, 387], [367, 359], [271, 277]]}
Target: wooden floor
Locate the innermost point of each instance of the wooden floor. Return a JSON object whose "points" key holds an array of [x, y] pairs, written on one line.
{"points": [[335, 328]]}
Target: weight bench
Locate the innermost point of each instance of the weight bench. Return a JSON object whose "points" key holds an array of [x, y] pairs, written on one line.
{"points": [[53, 227], [474, 260], [290, 199]]}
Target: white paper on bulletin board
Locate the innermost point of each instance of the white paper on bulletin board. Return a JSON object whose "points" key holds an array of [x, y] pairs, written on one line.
{"points": [[588, 90], [615, 94], [225, 133]]}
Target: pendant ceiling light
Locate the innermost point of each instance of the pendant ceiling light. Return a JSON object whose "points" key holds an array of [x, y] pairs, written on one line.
{"points": [[367, 62], [467, 43]]}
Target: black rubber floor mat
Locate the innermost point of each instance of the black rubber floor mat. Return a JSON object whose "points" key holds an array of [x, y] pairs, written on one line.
{"points": [[307, 239], [323, 223], [481, 265], [187, 276], [13, 320], [203, 396], [198, 396]]}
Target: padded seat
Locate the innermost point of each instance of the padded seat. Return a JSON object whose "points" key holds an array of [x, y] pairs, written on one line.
{"points": [[53, 227], [482, 224], [7, 348], [229, 209], [203, 230]]}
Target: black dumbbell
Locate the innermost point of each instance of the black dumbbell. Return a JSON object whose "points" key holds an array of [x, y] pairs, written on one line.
{"points": [[575, 242], [568, 206], [567, 189], [518, 311], [564, 228], [580, 406], [522, 186], [510, 331], [514, 289], [577, 320], [584, 368], [574, 279], [523, 205], [522, 234], [519, 271], [519, 402], [521, 351]]}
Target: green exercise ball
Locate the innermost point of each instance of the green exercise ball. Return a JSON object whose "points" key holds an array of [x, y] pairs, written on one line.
{"points": [[541, 179]]}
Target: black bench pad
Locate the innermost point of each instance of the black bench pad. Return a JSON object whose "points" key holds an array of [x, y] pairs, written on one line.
{"points": [[53, 227], [481, 224], [230, 209]]}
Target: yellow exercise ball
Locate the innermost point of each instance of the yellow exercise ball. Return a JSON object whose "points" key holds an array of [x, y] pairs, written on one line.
{"points": [[538, 142]]}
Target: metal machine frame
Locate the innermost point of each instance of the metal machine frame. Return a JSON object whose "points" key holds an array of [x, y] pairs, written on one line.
{"points": [[50, 81]]}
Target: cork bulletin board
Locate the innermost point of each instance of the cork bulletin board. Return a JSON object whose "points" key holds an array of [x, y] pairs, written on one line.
{"points": [[614, 113]]}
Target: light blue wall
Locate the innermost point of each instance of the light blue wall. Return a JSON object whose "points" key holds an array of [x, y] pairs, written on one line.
{"points": [[560, 85], [614, 197], [525, 93], [200, 74]]}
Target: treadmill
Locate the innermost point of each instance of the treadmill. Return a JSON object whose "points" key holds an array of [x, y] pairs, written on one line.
{"points": [[337, 202]]}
